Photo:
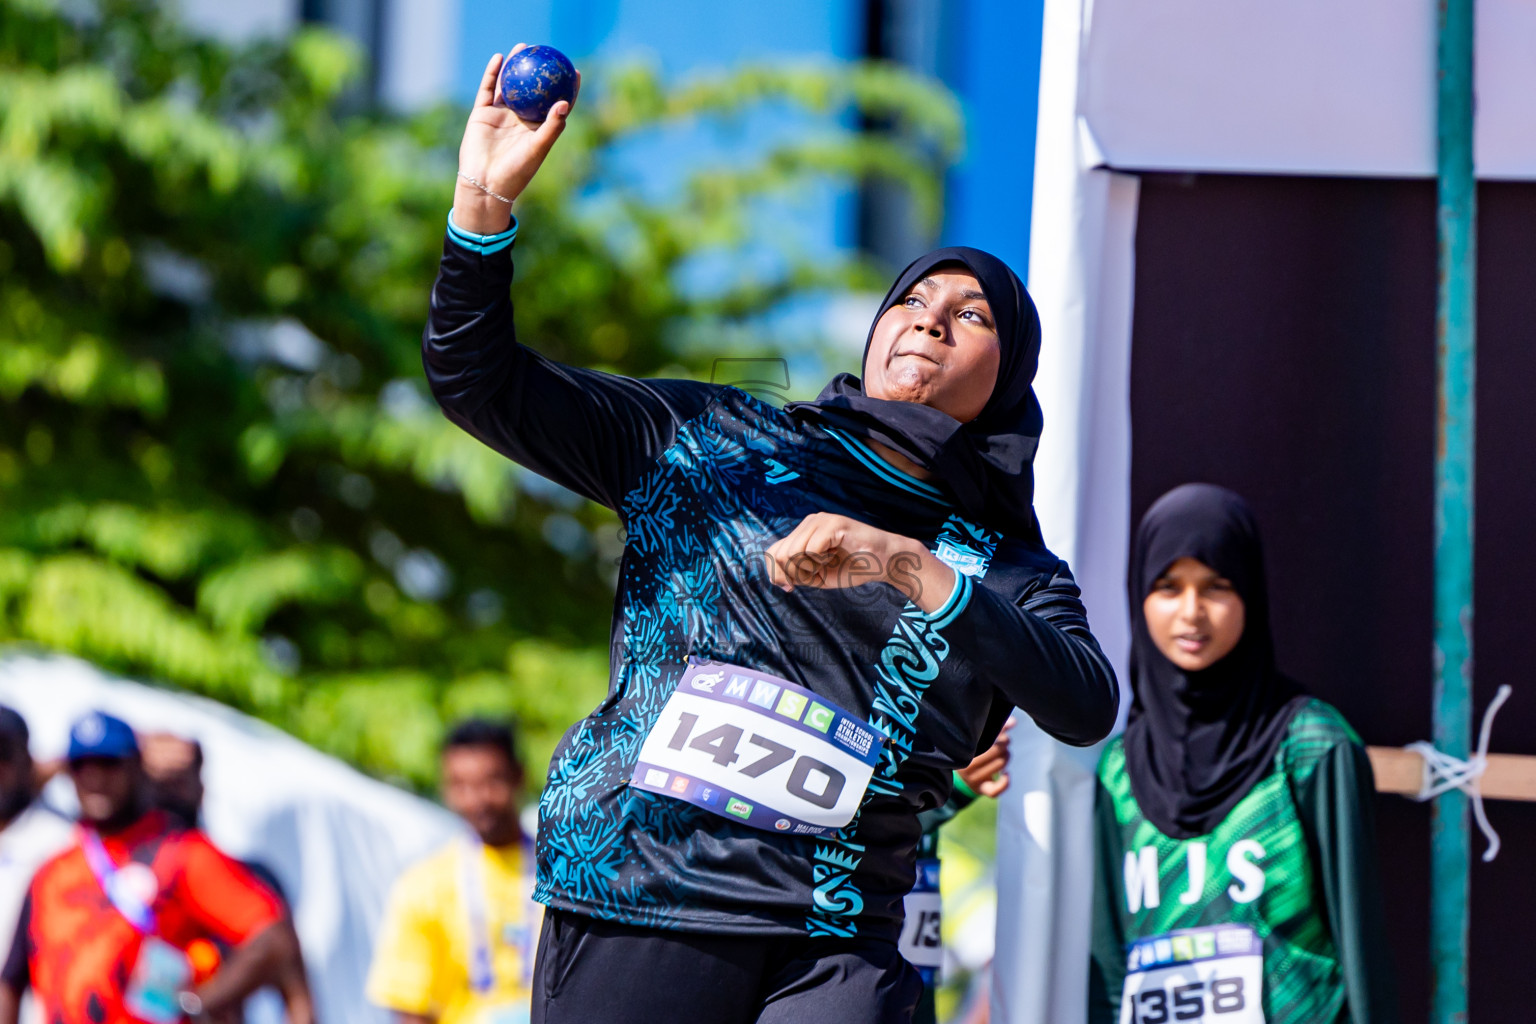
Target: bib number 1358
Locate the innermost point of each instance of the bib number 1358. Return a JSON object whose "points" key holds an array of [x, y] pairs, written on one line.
{"points": [[1191, 1001], [1214, 974]]}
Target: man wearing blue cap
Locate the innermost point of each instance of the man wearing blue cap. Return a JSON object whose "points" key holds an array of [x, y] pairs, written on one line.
{"points": [[124, 927], [108, 774]]}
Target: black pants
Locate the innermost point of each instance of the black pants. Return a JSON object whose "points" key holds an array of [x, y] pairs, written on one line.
{"points": [[598, 972]]}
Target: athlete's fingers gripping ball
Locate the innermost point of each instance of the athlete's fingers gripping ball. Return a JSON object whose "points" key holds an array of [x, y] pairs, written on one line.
{"points": [[502, 150]]}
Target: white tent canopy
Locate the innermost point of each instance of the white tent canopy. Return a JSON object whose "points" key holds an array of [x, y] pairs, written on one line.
{"points": [[334, 838]]}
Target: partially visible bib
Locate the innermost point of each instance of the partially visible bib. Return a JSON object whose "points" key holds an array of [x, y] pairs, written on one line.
{"points": [[760, 750], [1210, 975], [922, 942]]}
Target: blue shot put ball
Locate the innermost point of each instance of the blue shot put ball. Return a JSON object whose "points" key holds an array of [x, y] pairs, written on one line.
{"points": [[535, 79]]}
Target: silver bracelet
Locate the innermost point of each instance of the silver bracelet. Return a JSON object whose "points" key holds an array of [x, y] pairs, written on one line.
{"points": [[482, 188]]}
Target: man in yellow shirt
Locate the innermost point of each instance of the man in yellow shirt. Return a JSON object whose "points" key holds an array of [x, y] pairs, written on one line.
{"points": [[457, 943]]}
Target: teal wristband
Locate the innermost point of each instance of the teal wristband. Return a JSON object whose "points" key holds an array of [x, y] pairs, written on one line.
{"points": [[485, 245], [964, 789]]}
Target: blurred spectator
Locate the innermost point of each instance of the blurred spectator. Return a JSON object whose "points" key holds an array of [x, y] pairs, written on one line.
{"points": [[30, 833], [457, 943], [173, 765], [173, 768], [144, 952]]}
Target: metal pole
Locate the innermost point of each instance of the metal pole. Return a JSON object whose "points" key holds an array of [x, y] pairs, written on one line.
{"points": [[1456, 337]]}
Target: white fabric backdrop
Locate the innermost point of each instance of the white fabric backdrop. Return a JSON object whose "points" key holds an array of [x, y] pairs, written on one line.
{"points": [[1081, 277], [334, 838]]}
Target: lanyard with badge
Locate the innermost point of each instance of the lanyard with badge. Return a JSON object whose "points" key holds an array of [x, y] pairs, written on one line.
{"points": [[482, 964], [760, 750], [1213, 975], [162, 972]]}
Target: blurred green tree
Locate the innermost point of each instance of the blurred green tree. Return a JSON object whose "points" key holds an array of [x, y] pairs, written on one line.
{"points": [[219, 468]]}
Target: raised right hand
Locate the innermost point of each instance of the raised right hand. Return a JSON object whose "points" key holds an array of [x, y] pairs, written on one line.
{"points": [[502, 151]]}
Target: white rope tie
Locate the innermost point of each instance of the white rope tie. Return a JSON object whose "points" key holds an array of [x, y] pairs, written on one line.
{"points": [[1443, 773]]}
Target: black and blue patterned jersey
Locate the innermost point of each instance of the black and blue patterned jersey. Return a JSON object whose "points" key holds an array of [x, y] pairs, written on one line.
{"points": [[705, 478]]}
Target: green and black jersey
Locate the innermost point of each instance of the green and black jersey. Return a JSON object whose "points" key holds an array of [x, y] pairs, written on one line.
{"points": [[1294, 861]]}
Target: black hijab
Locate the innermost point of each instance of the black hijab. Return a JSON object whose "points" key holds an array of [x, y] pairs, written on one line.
{"points": [[1197, 742], [987, 464]]}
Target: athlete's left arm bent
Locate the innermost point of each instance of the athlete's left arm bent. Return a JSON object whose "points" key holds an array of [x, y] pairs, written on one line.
{"points": [[1038, 653]]}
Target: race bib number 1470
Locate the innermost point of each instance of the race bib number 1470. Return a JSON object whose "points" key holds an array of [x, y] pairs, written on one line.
{"points": [[1212, 975], [760, 750]]}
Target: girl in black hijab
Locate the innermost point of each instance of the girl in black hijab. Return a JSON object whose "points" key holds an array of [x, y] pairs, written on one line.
{"points": [[1236, 852], [986, 459], [822, 612]]}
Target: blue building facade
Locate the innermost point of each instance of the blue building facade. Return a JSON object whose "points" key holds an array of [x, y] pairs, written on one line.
{"points": [[987, 51]]}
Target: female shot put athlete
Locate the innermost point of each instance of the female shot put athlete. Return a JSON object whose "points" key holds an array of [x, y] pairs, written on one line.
{"points": [[1237, 879], [822, 611]]}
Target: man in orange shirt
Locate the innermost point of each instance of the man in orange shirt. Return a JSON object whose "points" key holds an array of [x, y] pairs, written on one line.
{"points": [[121, 927]]}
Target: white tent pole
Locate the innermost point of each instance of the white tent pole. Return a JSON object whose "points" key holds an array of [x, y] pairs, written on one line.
{"points": [[1081, 278]]}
